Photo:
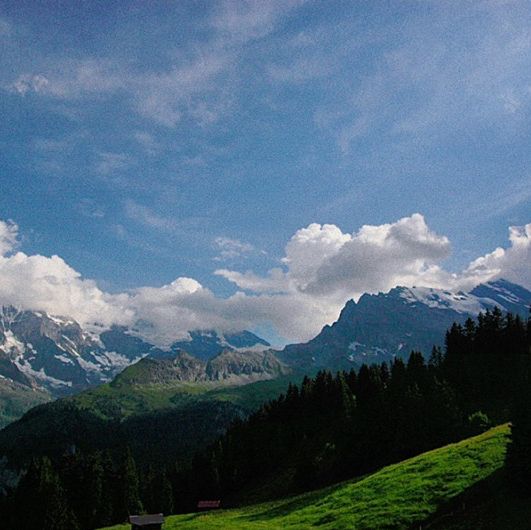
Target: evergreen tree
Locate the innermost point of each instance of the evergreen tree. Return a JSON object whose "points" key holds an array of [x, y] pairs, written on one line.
{"points": [[130, 486], [166, 494]]}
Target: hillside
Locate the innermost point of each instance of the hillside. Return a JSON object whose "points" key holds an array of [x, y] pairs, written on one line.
{"points": [[397, 496], [113, 415]]}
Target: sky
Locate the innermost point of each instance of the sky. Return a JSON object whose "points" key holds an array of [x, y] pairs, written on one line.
{"points": [[233, 164]]}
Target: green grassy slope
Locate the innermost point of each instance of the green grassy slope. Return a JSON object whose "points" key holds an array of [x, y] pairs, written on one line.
{"points": [[119, 401], [397, 496]]}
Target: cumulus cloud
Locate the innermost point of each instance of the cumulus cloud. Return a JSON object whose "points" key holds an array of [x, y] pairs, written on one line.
{"points": [[50, 284], [323, 261], [513, 263], [323, 268]]}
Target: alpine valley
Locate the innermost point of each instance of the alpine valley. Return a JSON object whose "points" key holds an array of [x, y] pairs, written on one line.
{"points": [[44, 357]]}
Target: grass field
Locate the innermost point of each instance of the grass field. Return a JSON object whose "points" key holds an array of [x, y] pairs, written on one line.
{"points": [[397, 496]]}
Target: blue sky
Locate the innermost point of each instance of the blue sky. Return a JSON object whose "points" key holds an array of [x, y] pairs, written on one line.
{"points": [[146, 141]]}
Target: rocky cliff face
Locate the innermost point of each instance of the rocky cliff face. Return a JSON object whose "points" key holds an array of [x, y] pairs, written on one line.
{"points": [[229, 367], [244, 366]]}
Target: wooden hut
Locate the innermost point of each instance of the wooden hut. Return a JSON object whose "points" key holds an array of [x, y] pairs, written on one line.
{"points": [[146, 522]]}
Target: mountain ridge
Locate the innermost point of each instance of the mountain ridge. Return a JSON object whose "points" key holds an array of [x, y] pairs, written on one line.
{"points": [[381, 326]]}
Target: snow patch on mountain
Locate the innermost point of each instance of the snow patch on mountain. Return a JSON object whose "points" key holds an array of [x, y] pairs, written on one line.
{"points": [[11, 344], [459, 302]]}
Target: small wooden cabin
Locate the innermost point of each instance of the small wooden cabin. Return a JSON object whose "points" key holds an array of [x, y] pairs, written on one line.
{"points": [[146, 522]]}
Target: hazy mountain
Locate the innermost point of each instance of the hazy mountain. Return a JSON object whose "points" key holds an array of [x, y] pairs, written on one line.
{"points": [[209, 343]]}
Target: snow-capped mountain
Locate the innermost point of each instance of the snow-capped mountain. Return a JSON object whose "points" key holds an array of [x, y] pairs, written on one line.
{"points": [[56, 354], [381, 326]]}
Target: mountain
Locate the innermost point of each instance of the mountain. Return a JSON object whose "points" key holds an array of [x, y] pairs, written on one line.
{"points": [[228, 367], [207, 344], [44, 356], [164, 409], [17, 398], [56, 355], [381, 326]]}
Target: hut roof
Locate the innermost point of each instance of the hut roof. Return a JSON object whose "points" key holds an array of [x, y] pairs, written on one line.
{"points": [[142, 520]]}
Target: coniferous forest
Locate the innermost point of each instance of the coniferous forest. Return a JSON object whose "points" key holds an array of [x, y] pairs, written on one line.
{"points": [[330, 427]]}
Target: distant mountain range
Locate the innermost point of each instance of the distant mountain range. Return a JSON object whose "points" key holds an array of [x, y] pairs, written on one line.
{"points": [[56, 354], [43, 356]]}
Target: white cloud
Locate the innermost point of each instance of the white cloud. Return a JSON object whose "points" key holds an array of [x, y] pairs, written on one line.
{"points": [[451, 69], [231, 248], [8, 236], [73, 79], [110, 163], [244, 20], [324, 267], [5, 28], [198, 82], [323, 261], [90, 208], [50, 284], [30, 83], [148, 217], [513, 263], [147, 141], [275, 282], [184, 88]]}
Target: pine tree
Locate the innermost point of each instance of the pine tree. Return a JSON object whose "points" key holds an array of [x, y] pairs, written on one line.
{"points": [[131, 494], [166, 494]]}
